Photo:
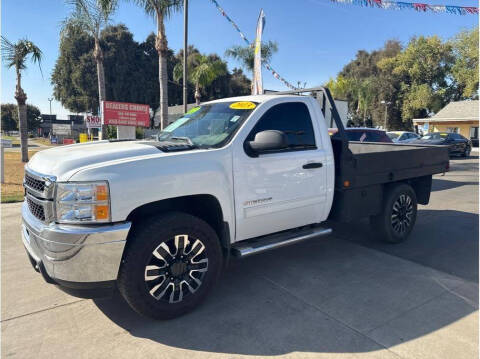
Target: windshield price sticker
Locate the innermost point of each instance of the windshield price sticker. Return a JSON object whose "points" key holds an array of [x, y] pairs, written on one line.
{"points": [[193, 110], [176, 124], [243, 105]]}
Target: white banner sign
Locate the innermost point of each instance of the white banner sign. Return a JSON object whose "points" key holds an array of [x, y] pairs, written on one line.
{"points": [[257, 62], [93, 122], [60, 129]]}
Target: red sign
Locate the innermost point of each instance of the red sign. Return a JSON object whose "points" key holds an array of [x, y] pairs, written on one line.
{"points": [[125, 114], [93, 122], [68, 141]]}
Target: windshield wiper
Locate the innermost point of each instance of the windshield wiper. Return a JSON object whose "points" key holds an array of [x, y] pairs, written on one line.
{"points": [[186, 139]]}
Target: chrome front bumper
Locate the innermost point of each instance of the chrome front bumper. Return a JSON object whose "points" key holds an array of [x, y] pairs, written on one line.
{"points": [[75, 253]]}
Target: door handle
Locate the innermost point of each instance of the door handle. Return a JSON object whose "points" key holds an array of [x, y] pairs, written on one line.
{"points": [[311, 165]]}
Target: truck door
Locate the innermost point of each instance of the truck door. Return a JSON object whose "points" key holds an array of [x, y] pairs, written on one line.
{"points": [[285, 189]]}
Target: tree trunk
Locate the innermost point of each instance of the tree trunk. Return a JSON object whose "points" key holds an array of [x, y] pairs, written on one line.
{"points": [[161, 46], [21, 98], [98, 55], [197, 94], [251, 83]]}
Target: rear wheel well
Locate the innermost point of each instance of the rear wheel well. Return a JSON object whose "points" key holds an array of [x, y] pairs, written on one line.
{"points": [[203, 206], [422, 187]]}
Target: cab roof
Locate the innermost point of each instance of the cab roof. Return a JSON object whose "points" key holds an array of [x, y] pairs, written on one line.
{"points": [[252, 98]]}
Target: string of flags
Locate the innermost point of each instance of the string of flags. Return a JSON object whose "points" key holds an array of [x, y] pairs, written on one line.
{"points": [[400, 5], [244, 38]]}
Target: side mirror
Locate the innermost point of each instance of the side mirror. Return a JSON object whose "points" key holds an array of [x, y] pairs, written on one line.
{"points": [[266, 141]]}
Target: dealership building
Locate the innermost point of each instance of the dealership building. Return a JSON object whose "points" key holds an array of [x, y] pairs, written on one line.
{"points": [[459, 117], [50, 126]]}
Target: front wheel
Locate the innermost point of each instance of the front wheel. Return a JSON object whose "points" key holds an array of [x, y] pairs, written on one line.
{"points": [[467, 151], [395, 223], [170, 264]]}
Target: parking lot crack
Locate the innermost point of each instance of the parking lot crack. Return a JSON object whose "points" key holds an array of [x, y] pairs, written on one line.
{"points": [[41, 310]]}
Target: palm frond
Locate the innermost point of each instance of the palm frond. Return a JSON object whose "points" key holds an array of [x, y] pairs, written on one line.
{"points": [[8, 52], [164, 7], [246, 54], [178, 72], [90, 15], [16, 54], [207, 71]]}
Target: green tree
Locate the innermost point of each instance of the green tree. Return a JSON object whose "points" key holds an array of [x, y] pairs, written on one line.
{"points": [[339, 87], [423, 69], [92, 16], [203, 71], [246, 54], [10, 117], [364, 85], [9, 113], [239, 84], [465, 66], [16, 55], [74, 79], [161, 10], [131, 69]]}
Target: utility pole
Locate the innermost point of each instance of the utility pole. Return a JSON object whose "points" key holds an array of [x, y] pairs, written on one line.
{"points": [[185, 48], [386, 103], [50, 100]]}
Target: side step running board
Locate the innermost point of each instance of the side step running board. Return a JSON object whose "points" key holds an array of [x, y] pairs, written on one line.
{"points": [[265, 243]]}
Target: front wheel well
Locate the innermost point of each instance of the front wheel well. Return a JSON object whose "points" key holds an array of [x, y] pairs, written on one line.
{"points": [[203, 206]]}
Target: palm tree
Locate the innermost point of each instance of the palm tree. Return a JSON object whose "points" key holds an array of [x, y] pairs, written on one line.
{"points": [[15, 55], [203, 71], [161, 10], [92, 16], [246, 54]]}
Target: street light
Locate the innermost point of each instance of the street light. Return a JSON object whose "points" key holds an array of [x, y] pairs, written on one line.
{"points": [[386, 103], [50, 100]]}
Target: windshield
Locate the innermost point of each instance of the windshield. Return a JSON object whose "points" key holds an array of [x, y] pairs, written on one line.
{"points": [[393, 135], [435, 136], [210, 125]]}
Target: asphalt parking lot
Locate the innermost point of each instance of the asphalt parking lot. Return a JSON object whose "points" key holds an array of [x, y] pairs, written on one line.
{"points": [[345, 296]]}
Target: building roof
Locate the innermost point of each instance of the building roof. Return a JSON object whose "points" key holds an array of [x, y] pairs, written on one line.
{"points": [[455, 111]]}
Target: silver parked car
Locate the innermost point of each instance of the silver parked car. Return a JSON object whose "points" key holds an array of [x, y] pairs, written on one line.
{"points": [[403, 136]]}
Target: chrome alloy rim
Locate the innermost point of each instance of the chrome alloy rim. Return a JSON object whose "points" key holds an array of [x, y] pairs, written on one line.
{"points": [[402, 214], [176, 269]]}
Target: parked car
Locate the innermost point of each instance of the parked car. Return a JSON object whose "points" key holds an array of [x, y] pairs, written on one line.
{"points": [[362, 134], [403, 136], [236, 176], [457, 144]]}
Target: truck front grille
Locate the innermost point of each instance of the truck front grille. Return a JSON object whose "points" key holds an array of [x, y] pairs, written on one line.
{"points": [[39, 193], [36, 209], [33, 183]]}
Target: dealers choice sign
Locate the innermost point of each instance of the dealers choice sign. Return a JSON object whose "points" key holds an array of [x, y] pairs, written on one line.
{"points": [[125, 114]]}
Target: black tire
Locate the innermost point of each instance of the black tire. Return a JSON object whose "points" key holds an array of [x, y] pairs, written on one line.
{"points": [[467, 151], [136, 282], [394, 225]]}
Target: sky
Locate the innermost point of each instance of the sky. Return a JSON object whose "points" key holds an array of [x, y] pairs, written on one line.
{"points": [[316, 38]]}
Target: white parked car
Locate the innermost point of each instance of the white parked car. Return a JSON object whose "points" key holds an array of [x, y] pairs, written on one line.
{"points": [[238, 176]]}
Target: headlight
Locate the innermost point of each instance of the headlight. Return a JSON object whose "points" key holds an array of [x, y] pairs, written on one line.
{"points": [[80, 202]]}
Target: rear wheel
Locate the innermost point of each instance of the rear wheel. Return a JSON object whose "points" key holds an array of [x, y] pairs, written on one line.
{"points": [[395, 223], [170, 265]]}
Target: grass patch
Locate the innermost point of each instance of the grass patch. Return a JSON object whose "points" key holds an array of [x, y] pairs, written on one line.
{"points": [[43, 141], [12, 189]]}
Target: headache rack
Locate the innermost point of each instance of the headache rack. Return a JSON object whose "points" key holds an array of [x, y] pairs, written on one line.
{"points": [[327, 105]]}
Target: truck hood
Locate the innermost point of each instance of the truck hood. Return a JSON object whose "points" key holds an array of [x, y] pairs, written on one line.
{"points": [[64, 161]]}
